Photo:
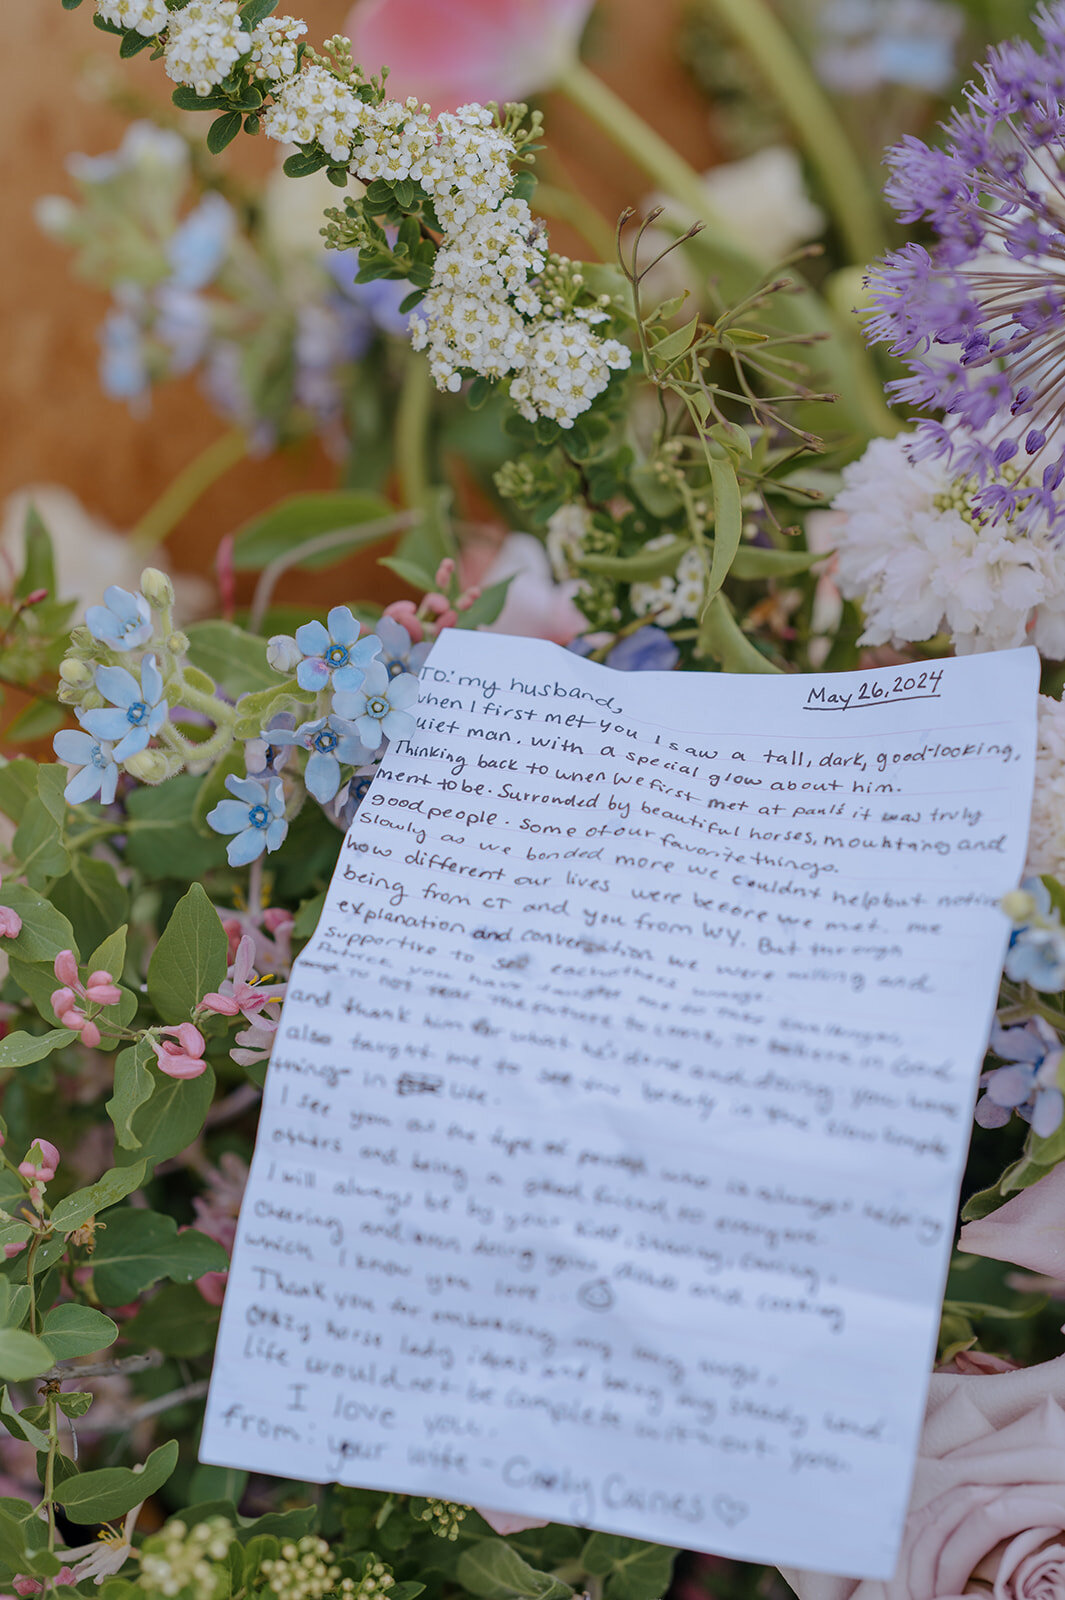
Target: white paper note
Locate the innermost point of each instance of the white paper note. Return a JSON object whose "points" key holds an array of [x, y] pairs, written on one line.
{"points": [[610, 1147]]}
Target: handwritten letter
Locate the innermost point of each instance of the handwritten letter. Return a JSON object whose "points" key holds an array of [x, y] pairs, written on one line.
{"points": [[610, 1146]]}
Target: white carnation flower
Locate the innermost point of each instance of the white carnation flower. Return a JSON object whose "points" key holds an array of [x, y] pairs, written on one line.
{"points": [[1046, 835]]}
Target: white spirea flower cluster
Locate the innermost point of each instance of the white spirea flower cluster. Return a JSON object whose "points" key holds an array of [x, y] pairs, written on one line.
{"points": [[178, 1559], [306, 1571], [1046, 833], [669, 600], [205, 43], [483, 312], [918, 561], [273, 48], [146, 16]]}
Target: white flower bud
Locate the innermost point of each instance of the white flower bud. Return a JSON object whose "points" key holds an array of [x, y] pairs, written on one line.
{"points": [[150, 766], [1019, 905], [283, 653], [157, 588], [75, 672]]}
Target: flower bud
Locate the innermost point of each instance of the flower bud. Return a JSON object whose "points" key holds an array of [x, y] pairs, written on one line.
{"points": [[149, 766], [178, 643], [75, 672], [157, 588], [283, 653], [1019, 905]]}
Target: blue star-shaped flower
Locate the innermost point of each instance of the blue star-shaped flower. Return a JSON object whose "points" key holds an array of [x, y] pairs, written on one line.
{"points": [[330, 741], [256, 818], [378, 707], [1029, 1084], [139, 709], [334, 656], [399, 653], [95, 759], [123, 622]]}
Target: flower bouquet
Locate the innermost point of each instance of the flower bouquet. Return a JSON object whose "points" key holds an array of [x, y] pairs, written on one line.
{"points": [[691, 430]]}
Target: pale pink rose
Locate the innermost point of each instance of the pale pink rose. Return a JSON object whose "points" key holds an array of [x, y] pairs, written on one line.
{"points": [[449, 52], [504, 1522], [987, 1513], [977, 1363], [1028, 1230], [536, 606]]}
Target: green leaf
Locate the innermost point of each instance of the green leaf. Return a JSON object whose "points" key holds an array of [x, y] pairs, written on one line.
{"points": [[45, 931], [114, 1186], [230, 657], [92, 899], [22, 1537], [133, 44], [752, 562], [304, 162], [134, 1087], [178, 1321], [721, 638], [75, 1330], [256, 11], [255, 710], [35, 721], [14, 1297], [18, 783], [190, 959], [307, 916], [74, 1402], [19, 1049], [38, 846], [302, 517], [643, 566], [728, 521], [674, 344], [633, 1569], [22, 1356], [217, 1483], [171, 1119], [38, 570], [487, 607], [112, 1491], [137, 1248], [418, 577], [38, 982], [494, 1570], [223, 131], [163, 840], [19, 1427]]}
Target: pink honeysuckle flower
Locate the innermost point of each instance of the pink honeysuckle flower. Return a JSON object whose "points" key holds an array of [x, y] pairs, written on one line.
{"points": [[11, 1250], [405, 612], [240, 994], [66, 969], [42, 1161], [10, 923], [256, 1043], [185, 1058], [100, 989], [504, 1522], [23, 1584], [450, 52]]}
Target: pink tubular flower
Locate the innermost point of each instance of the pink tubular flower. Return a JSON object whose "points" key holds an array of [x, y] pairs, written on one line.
{"points": [[10, 923], [101, 990], [240, 994], [42, 1161], [24, 1585], [405, 612], [185, 1058], [11, 1250], [452, 51]]}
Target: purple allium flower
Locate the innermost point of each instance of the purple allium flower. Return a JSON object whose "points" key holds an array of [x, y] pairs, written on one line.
{"points": [[980, 314]]}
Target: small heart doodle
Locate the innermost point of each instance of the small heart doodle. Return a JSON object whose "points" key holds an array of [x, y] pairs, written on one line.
{"points": [[731, 1512]]}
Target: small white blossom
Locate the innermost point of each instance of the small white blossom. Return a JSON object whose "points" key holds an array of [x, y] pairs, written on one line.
{"points": [[566, 529], [147, 17], [911, 551], [206, 41], [316, 105], [273, 47]]}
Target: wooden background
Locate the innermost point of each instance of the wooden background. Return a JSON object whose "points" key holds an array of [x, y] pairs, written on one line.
{"points": [[57, 82]]}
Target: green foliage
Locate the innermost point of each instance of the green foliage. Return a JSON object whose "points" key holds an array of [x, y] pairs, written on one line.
{"points": [[305, 517], [140, 1247], [112, 1491], [190, 959]]}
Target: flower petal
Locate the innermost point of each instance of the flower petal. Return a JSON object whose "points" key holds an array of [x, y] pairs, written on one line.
{"points": [[71, 744], [106, 723], [398, 725], [118, 686], [151, 680], [312, 673], [83, 785], [403, 691], [246, 846], [313, 639], [275, 834], [228, 816], [343, 627], [322, 776], [349, 679], [248, 789], [135, 741]]}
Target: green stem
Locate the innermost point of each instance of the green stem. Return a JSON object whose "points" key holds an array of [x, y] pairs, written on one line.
{"points": [[757, 28], [49, 1468], [182, 493], [842, 359], [411, 430]]}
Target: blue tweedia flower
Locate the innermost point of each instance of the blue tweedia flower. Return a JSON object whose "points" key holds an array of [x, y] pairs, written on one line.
{"points": [[123, 622], [348, 799], [256, 817], [95, 759], [334, 656], [330, 742], [1037, 945], [649, 649], [980, 314], [378, 708], [198, 246], [137, 710], [1029, 1084], [399, 653]]}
